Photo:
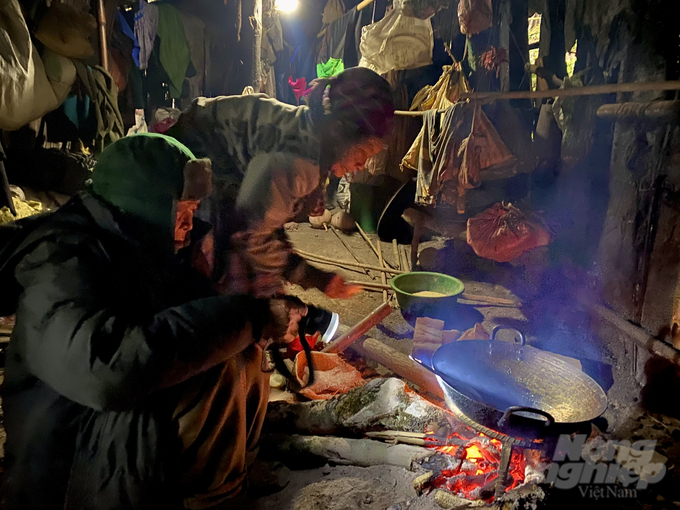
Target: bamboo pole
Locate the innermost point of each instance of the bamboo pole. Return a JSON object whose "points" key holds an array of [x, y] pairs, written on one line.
{"points": [[370, 243], [342, 263], [397, 258], [593, 90], [351, 252], [382, 273], [103, 43]]}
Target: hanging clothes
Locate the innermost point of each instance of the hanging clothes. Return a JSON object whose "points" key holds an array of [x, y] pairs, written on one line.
{"points": [[194, 31], [333, 67], [405, 130], [447, 91], [456, 146], [174, 52], [103, 93], [146, 26], [343, 37], [130, 33], [333, 10]]}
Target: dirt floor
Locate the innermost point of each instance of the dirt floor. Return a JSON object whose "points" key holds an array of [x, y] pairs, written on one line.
{"points": [[545, 321]]}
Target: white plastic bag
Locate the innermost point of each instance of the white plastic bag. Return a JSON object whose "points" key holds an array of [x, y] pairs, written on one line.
{"points": [[26, 92], [397, 42]]}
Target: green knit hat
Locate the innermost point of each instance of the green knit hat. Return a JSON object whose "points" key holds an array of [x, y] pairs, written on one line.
{"points": [[142, 175]]}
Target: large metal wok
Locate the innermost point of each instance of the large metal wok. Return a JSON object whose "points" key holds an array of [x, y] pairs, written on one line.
{"points": [[516, 389]]}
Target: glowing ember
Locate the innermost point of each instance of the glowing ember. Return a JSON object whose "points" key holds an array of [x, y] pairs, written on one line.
{"points": [[475, 466]]}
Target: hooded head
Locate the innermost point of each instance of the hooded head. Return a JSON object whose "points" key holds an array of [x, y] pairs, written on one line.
{"points": [[146, 175]]}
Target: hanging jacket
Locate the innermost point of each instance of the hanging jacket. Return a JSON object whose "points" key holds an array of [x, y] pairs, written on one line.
{"points": [[107, 330], [265, 157]]}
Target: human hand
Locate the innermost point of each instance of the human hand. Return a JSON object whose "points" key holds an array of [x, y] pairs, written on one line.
{"points": [[285, 313], [338, 289]]}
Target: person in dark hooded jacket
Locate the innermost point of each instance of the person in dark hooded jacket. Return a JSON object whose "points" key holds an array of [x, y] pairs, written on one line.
{"points": [[120, 343]]}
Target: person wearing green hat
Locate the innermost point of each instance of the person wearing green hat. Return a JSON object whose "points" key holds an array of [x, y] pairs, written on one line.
{"points": [[121, 375]]}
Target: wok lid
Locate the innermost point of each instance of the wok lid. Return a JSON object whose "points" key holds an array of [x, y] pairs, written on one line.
{"points": [[502, 374]]}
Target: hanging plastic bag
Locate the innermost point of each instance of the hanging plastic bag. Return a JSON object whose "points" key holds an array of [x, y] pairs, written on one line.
{"points": [[475, 16], [502, 233]]}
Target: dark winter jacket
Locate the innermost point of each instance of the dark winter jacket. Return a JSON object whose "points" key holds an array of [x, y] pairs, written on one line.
{"points": [[105, 334]]}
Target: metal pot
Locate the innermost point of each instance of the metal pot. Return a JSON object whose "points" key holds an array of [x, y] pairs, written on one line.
{"points": [[516, 389]]}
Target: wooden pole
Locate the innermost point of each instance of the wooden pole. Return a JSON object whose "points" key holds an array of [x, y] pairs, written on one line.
{"points": [[101, 25], [397, 258], [370, 243], [344, 341], [382, 273], [654, 110], [351, 252], [594, 90], [326, 260], [400, 364]]}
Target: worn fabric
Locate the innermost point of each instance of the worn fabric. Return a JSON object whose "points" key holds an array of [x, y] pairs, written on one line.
{"points": [[108, 328], [343, 37], [299, 87], [103, 93], [23, 208], [333, 10], [66, 31], [265, 157], [174, 52], [220, 416], [388, 162], [456, 146], [146, 26], [194, 31], [333, 67], [27, 92]]}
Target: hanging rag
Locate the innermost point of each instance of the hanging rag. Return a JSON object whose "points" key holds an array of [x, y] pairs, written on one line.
{"points": [[194, 30], [299, 87], [456, 147], [174, 52], [443, 94], [103, 93], [333, 67], [146, 26]]}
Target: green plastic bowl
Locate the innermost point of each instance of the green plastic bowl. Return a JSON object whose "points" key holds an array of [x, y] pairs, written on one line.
{"points": [[406, 285]]}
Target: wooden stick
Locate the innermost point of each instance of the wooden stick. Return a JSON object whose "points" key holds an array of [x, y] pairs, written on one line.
{"points": [[400, 364], [340, 450], [397, 259], [370, 243], [382, 273], [635, 111], [318, 258], [570, 92], [351, 252], [407, 263], [344, 341]]}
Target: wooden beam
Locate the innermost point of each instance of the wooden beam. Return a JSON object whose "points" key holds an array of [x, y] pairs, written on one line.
{"points": [[101, 26], [657, 110]]}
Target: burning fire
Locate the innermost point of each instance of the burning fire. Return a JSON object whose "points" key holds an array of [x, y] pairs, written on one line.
{"points": [[476, 465]]}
